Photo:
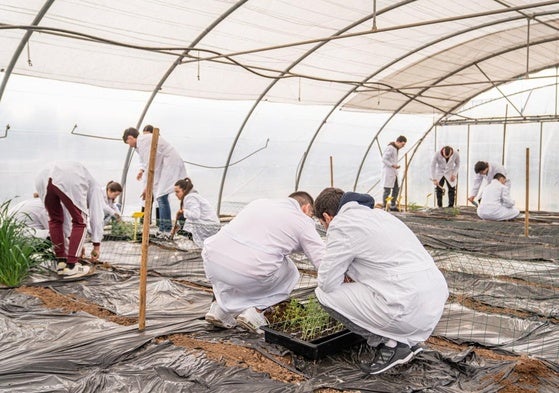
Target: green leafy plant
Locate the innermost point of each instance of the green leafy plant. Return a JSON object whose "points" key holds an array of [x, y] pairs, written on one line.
{"points": [[413, 207], [19, 251], [122, 229], [306, 320]]}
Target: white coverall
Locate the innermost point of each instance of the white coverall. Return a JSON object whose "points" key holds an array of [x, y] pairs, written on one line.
{"points": [[33, 214], [74, 180], [494, 168], [169, 166], [440, 167], [496, 204], [247, 260], [398, 293], [389, 174], [201, 218]]}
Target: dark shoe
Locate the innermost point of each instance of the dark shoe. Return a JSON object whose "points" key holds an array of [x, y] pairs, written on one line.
{"points": [[416, 349], [386, 358], [394, 209]]}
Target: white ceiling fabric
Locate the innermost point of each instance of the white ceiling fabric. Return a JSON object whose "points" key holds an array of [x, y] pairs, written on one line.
{"points": [[426, 56]]}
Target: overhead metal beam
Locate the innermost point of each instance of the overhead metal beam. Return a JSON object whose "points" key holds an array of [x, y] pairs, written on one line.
{"points": [[21, 45]]}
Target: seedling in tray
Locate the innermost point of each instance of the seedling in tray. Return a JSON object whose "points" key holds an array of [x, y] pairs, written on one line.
{"points": [[306, 328]]}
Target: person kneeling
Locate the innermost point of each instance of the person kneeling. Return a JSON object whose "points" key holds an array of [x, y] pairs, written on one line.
{"points": [[391, 293], [496, 204]]}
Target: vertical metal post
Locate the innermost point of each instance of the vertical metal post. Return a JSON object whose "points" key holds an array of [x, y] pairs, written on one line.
{"points": [[504, 135], [528, 49], [527, 202], [406, 183], [540, 168]]}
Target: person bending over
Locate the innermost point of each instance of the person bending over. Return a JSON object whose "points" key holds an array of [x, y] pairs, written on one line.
{"points": [[496, 204], [391, 293], [248, 262]]}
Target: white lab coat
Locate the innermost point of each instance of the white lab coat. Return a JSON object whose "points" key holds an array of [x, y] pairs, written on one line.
{"points": [[389, 174], [33, 214], [496, 204], [247, 260], [440, 167], [494, 168], [74, 180], [110, 209], [169, 166], [201, 218], [398, 293]]}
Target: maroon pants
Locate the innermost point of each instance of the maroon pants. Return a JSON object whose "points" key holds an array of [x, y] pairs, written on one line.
{"points": [[55, 199]]}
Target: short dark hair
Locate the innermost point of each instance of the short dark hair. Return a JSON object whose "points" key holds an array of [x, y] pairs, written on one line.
{"points": [[401, 138], [447, 150], [148, 128], [130, 131], [480, 166], [113, 186], [328, 201], [302, 197], [499, 176]]}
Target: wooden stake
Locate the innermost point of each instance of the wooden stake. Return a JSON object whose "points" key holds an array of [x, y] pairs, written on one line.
{"points": [[527, 202], [145, 232]]}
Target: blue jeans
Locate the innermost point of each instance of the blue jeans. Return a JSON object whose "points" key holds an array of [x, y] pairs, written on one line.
{"points": [[164, 213]]}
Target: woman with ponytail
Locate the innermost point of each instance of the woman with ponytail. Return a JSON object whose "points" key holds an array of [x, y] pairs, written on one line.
{"points": [[200, 218]]}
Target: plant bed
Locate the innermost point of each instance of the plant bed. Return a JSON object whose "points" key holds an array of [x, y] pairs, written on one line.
{"points": [[306, 329]]}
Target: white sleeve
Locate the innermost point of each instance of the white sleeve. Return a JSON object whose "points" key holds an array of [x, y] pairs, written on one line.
{"points": [[311, 243], [95, 203], [505, 197], [339, 255], [192, 209]]}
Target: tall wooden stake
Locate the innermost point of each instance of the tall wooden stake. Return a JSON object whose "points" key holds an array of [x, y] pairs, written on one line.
{"points": [[145, 232], [527, 202]]}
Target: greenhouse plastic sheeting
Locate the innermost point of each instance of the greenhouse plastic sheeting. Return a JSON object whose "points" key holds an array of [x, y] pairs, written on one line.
{"points": [[48, 350]]}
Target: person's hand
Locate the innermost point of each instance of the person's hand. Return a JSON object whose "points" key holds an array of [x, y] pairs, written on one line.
{"points": [[435, 182], [140, 174], [143, 195], [452, 178], [396, 166], [471, 199], [95, 253]]}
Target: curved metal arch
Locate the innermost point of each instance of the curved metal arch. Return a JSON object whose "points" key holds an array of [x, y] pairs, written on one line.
{"points": [[166, 75], [275, 80], [42, 12], [301, 167], [466, 100], [496, 54]]}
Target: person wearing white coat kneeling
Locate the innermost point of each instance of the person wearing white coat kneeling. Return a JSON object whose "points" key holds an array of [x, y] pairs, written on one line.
{"points": [[376, 278], [496, 204]]}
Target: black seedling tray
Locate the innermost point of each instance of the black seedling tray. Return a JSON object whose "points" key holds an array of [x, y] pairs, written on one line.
{"points": [[314, 349]]}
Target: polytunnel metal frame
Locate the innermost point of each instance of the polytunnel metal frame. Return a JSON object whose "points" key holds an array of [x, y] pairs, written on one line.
{"points": [[320, 43]]}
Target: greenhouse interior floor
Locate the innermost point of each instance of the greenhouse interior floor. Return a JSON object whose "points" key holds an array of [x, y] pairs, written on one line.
{"points": [[499, 331]]}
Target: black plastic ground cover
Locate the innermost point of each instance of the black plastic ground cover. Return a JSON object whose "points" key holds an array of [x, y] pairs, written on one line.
{"points": [[315, 349]]}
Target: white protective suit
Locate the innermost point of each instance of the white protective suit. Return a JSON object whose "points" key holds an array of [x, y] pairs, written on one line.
{"points": [[33, 214], [440, 167], [398, 293], [110, 209], [201, 218], [496, 204], [74, 180], [494, 168], [247, 260], [169, 166], [389, 174]]}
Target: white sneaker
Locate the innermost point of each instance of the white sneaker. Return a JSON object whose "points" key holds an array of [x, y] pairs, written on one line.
{"points": [[217, 317], [251, 319], [77, 271], [163, 235], [60, 266]]}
